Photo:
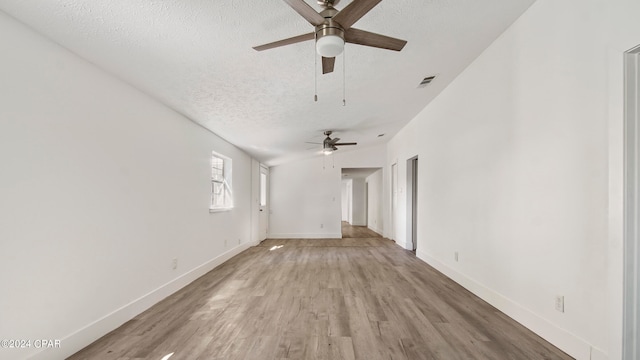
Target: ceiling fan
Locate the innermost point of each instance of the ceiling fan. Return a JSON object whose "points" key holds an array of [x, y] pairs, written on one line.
{"points": [[333, 29], [330, 145]]}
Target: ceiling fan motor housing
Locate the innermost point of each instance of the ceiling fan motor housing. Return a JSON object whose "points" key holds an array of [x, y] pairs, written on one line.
{"points": [[328, 3], [329, 35]]}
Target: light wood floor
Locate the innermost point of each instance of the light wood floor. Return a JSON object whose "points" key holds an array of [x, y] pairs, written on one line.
{"points": [[322, 299], [349, 231]]}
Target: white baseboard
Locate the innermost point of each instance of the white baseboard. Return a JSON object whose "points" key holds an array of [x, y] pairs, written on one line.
{"points": [[597, 354], [306, 236], [378, 231], [401, 244], [90, 333], [564, 340]]}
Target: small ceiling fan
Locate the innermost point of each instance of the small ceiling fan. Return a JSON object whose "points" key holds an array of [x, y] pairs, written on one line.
{"points": [[330, 145], [333, 29]]}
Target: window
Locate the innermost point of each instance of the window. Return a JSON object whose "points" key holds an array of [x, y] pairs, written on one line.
{"points": [[221, 194]]}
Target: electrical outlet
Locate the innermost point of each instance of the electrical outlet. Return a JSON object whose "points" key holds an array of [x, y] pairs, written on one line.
{"points": [[321, 226], [560, 303], [239, 241], [174, 263], [455, 255], [225, 243]]}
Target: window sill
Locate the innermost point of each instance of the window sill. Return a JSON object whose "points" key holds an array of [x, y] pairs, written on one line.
{"points": [[215, 210]]}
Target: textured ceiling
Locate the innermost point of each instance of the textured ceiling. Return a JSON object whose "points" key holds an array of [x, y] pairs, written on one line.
{"points": [[196, 56]]}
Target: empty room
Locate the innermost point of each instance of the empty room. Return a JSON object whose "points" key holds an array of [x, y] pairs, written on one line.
{"points": [[319, 179]]}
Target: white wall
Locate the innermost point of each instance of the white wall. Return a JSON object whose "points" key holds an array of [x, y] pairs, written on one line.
{"points": [[100, 187], [345, 200], [520, 172], [358, 202], [375, 220], [304, 195], [350, 201]]}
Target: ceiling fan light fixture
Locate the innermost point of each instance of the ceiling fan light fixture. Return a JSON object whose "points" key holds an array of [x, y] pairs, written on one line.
{"points": [[327, 151], [330, 46]]}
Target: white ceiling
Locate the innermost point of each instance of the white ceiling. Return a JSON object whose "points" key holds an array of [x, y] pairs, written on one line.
{"points": [[196, 56]]}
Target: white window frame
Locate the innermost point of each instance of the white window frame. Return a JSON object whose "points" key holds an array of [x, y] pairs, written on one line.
{"points": [[225, 181]]}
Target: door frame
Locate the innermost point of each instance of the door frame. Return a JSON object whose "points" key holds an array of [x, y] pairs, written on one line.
{"points": [[263, 215], [631, 297], [411, 242], [394, 200]]}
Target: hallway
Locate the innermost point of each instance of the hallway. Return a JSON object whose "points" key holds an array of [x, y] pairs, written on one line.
{"points": [[350, 231]]}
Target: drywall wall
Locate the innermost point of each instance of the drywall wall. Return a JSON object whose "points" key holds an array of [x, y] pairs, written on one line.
{"points": [[345, 200], [306, 194], [519, 165], [375, 220], [358, 202], [101, 188]]}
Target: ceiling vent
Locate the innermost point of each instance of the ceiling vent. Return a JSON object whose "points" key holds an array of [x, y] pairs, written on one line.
{"points": [[426, 81]]}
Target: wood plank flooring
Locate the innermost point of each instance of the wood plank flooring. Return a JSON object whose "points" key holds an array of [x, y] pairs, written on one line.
{"points": [[349, 231], [322, 299]]}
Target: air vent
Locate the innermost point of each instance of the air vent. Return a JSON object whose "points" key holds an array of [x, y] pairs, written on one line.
{"points": [[426, 81]]}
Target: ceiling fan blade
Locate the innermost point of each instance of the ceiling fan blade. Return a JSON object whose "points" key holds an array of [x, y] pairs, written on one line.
{"points": [[361, 37], [334, 141], [293, 40], [315, 143], [349, 143], [306, 11], [354, 11], [327, 65]]}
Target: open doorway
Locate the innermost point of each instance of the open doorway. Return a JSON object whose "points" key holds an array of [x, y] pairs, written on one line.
{"points": [[631, 310], [361, 202], [263, 219], [412, 204]]}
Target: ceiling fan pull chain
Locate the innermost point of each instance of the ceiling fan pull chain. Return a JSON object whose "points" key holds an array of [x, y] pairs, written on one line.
{"points": [[344, 71]]}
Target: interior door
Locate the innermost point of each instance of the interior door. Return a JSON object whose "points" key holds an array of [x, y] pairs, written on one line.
{"points": [[631, 300], [264, 203], [394, 199], [412, 204]]}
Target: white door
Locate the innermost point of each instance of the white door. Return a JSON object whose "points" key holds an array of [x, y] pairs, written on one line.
{"points": [[264, 203], [412, 204], [631, 318], [394, 199]]}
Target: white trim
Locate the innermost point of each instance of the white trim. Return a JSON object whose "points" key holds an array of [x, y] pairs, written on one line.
{"points": [[221, 209], [81, 338], [306, 236], [564, 340], [376, 230], [393, 208], [631, 298]]}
